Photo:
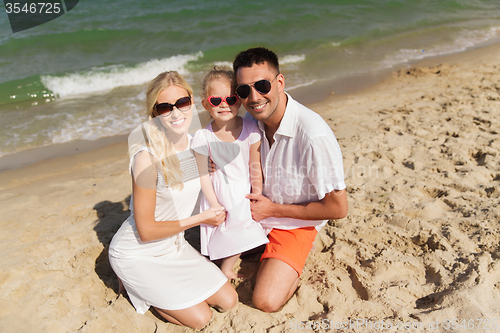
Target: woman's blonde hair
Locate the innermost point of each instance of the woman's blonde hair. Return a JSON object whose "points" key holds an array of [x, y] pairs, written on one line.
{"points": [[217, 73], [157, 141]]}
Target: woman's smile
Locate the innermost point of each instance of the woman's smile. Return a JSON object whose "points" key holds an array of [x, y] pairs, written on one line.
{"points": [[178, 123]]}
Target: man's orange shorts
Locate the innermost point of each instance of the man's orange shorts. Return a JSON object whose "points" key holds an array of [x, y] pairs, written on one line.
{"points": [[290, 246]]}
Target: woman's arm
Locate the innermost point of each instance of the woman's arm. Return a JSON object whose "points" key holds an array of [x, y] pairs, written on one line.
{"points": [[255, 168], [143, 178]]}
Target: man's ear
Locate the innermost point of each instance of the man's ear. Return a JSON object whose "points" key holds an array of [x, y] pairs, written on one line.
{"points": [[281, 82]]}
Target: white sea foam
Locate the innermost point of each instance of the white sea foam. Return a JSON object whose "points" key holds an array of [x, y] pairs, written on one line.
{"points": [[105, 123], [224, 63], [465, 39], [104, 79], [290, 59], [109, 122], [299, 85]]}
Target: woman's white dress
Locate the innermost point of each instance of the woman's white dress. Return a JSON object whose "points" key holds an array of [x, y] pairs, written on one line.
{"points": [[231, 182], [169, 273]]}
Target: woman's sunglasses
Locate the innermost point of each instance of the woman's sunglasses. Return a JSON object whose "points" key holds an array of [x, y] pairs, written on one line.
{"points": [[262, 87], [183, 104], [216, 100]]}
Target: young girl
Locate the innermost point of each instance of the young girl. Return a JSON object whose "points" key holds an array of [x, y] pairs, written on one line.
{"points": [[233, 144]]}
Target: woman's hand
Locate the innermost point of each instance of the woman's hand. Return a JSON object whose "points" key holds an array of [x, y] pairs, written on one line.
{"points": [[215, 215]]}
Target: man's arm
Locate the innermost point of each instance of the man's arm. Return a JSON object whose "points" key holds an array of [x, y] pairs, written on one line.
{"points": [[332, 207]]}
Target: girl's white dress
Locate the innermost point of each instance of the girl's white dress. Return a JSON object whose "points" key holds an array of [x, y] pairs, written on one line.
{"points": [[231, 182], [169, 273]]}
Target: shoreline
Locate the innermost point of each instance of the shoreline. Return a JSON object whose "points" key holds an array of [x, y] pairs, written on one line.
{"points": [[35, 155], [317, 93], [378, 79]]}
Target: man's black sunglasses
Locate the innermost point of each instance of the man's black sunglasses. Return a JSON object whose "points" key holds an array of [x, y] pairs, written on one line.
{"points": [[262, 86]]}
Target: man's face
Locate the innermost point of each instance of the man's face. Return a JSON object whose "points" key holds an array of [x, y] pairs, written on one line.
{"points": [[260, 106]]}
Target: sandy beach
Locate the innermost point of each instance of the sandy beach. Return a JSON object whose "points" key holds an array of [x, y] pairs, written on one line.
{"points": [[418, 251]]}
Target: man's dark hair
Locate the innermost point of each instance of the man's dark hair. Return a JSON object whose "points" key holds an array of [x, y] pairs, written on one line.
{"points": [[257, 55]]}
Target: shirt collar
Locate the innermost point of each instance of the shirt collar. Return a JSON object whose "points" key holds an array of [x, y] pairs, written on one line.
{"points": [[289, 120]]}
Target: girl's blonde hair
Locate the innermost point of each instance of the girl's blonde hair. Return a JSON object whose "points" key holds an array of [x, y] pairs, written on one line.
{"points": [[156, 138], [215, 74]]}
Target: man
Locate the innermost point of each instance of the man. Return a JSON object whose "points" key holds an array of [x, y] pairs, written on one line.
{"points": [[303, 175]]}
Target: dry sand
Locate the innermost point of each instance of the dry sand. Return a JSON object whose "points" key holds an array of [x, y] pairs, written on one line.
{"points": [[420, 246]]}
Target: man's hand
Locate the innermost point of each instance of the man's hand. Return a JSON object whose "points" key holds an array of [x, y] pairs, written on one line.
{"points": [[332, 207], [211, 166], [260, 206]]}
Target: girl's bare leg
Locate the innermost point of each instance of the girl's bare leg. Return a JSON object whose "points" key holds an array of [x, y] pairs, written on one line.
{"points": [[227, 267]]}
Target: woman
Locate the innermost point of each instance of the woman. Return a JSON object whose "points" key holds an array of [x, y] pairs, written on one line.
{"points": [[149, 253]]}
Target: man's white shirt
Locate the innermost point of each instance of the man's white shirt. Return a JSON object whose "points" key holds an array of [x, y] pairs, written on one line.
{"points": [[303, 164]]}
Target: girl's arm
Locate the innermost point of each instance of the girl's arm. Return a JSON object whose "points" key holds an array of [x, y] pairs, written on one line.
{"points": [[144, 191], [255, 168], [206, 183]]}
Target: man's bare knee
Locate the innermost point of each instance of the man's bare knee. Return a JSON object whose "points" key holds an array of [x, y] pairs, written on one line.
{"points": [[266, 304], [276, 283]]}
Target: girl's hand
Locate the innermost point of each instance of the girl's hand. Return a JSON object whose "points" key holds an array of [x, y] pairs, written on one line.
{"points": [[215, 215], [218, 207]]}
